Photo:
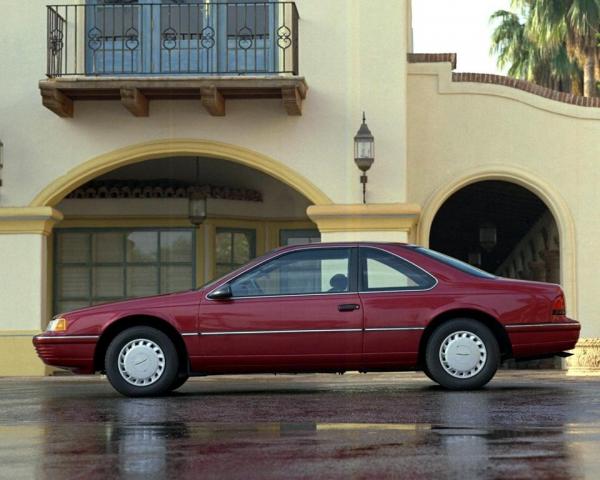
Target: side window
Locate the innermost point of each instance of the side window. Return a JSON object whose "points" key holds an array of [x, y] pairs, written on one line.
{"points": [[383, 271], [298, 273]]}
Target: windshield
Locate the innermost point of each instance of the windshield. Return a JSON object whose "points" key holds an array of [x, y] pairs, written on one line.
{"points": [[251, 263], [453, 262]]}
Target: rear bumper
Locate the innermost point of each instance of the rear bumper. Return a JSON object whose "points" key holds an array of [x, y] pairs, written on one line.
{"points": [[75, 353], [534, 340]]}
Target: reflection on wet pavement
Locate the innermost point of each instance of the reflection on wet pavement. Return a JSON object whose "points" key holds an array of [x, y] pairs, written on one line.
{"points": [[526, 425]]}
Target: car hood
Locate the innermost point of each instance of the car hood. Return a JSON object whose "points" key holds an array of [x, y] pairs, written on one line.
{"points": [[139, 304]]}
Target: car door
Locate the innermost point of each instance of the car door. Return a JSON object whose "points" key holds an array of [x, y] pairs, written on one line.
{"points": [[297, 311], [396, 301]]}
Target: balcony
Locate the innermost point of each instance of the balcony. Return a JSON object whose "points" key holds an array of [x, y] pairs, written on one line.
{"points": [[135, 52]]}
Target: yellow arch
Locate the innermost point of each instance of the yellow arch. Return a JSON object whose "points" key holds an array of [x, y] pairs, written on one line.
{"points": [[552, 199], [59, 188]]}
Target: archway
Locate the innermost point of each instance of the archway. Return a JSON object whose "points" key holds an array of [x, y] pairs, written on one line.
{"points": [[59, 188], [534, 184], [500, 227], [126, 231]]}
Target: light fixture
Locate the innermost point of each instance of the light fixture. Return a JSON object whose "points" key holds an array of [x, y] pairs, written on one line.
{"points": [[488, 237], [197, 201], [364, 153]]}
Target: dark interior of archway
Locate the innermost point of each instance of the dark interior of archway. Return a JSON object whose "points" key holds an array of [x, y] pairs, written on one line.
{"points": [[511, 208]]}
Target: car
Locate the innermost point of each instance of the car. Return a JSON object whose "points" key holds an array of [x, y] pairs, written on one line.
{"points": [[322, 307]]}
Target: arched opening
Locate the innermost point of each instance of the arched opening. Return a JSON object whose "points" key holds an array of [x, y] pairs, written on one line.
{"points": [[500, 227], [535, 184], [127, 233], [503, 228], [62, 186]]}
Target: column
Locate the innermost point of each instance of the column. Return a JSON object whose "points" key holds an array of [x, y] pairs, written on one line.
{"points": [[24, 292], [381, 222]]}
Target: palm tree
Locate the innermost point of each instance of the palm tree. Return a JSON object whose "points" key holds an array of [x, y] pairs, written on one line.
{"points": [[549, 67], [553, 25]]}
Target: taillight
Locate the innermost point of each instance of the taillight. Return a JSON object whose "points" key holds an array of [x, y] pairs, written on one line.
{"points": [[559, 308]]}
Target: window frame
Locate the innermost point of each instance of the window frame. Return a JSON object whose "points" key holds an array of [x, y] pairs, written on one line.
{"points": [[233, 231], [362, 271], [286, 234], [352, 275], [90, 264]]}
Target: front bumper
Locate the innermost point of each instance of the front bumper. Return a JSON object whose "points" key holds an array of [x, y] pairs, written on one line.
{"points": [[74, 352], [535, 340]]}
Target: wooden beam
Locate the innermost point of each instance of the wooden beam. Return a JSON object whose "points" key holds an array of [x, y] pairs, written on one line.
{"points": [[213, 101], [134, 101], [56, 101], [292, 100]]}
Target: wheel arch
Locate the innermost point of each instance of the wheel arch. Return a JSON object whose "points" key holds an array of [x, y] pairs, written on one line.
{"points": [[485, 318], [129, 321]]}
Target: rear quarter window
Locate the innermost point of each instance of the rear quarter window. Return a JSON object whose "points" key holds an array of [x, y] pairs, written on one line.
{"points": [[454, 263]]}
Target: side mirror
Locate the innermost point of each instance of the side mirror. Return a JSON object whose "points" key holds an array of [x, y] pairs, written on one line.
{"points": [[222, 293]]}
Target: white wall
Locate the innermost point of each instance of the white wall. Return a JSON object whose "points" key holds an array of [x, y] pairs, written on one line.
{"points": [[455, 129], [22, 282], [351, 62]]}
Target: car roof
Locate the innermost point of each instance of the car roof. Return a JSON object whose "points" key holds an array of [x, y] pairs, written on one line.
{"points": [[343, 244]]}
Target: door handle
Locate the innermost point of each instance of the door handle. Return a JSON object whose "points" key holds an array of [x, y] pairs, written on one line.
{"points": [[348, 307]]}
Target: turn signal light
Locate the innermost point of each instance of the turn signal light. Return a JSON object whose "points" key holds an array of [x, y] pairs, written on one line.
{"points": [[559, 308], [57, 325]]}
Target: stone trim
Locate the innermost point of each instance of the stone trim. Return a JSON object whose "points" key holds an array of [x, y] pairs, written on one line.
{"points": [[586, 357], [432, 58], [370, 217], [504, 81], [28, 220]]}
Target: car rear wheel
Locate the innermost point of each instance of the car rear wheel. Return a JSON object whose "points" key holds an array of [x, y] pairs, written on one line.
{"points": [[462, 354], [141, 361], [179, 381]]}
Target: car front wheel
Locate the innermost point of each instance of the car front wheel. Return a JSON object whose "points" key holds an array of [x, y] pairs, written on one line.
{"points": [[141, 361], [462, 354]]}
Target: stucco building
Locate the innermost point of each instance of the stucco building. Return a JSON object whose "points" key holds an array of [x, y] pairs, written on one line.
{"points": [[143, 105]]}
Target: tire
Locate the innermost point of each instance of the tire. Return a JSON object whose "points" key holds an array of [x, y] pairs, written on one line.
{"points": [[462, 354], [428, 373], [158, 357], [179, 381]]}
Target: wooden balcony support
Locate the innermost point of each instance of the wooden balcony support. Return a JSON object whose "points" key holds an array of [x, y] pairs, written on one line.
{"points": [[134, 101], [56, 101], [213, 101], [135, 93]]}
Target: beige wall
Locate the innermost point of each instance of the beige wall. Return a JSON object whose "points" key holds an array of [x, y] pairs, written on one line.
{"points": [[349, 61], [343, 62], [458, 129], [22, 276]]}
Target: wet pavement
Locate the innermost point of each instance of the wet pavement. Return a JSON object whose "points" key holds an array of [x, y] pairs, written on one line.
{"points": [[525, 424]]}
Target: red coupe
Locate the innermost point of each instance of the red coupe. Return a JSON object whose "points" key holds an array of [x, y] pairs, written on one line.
{"points": [[328, 307]]}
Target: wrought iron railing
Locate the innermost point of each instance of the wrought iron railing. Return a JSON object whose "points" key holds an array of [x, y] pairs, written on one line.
{"points": [[174, 37]]}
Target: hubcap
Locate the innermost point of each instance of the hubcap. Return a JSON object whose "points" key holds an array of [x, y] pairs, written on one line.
{"points": [[463, 354], [141, 362]]}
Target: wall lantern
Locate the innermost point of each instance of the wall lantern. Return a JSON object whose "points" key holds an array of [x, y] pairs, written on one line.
{"points": [[488, 236], [197, 201], [364, 153], [197, 208]]}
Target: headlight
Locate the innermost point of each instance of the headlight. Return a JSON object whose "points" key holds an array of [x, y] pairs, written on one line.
{"points": [[57, 325]]}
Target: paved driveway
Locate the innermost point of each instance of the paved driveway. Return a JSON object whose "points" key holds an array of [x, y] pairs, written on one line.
{"points": [[525, 424]]}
